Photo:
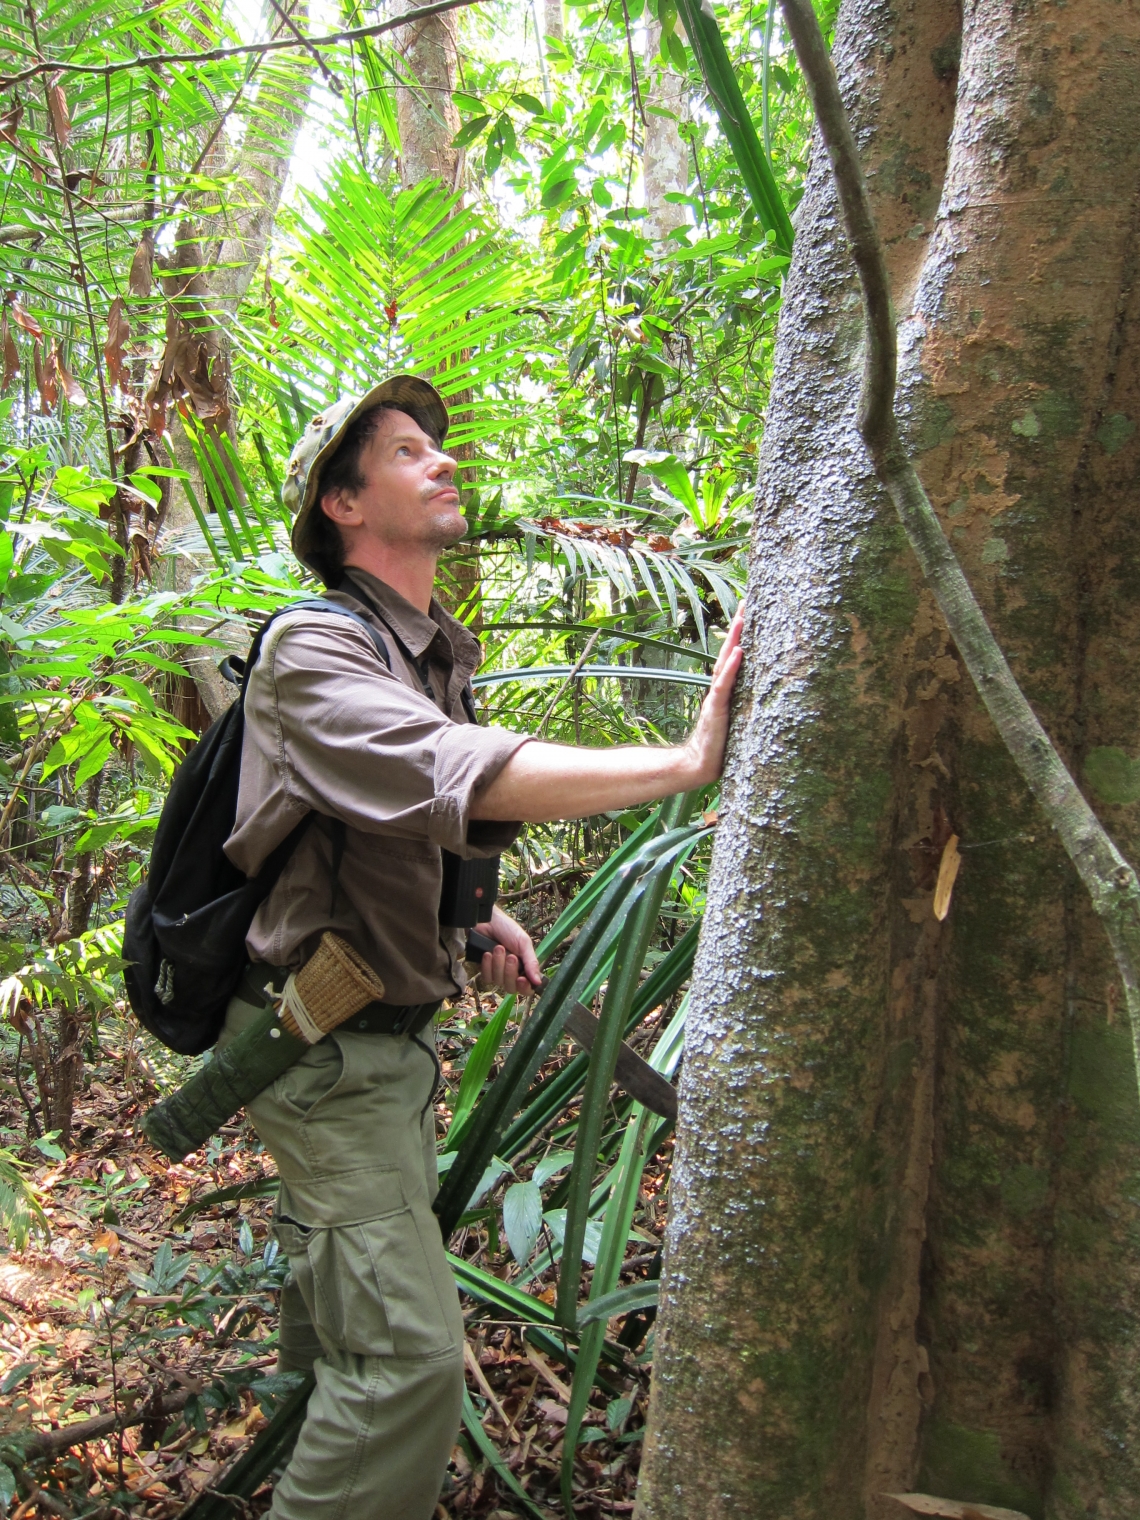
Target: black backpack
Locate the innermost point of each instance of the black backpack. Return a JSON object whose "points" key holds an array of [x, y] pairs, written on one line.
{"points": [[184, 938]]}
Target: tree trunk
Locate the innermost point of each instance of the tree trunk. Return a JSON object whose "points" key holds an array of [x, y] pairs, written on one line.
{"points": [[901, 1253], [206, 283], [665, 156], [425, 111]]}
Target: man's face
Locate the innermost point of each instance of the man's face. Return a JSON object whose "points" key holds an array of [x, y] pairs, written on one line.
{"points": [[409, 499]]}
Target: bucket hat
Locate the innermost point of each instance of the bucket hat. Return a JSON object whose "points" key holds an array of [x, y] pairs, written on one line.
{"points": [[324, 434]]}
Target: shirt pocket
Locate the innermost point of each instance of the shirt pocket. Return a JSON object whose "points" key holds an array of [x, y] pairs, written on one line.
{"points": [[372, 1288]]}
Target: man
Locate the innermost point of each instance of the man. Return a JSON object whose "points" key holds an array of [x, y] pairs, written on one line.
{"points": [[388, 756]]}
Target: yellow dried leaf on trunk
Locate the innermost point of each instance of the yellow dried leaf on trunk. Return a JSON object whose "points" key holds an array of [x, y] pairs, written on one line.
{"points": [[139, 278], [947, 876], [10, 353], [954, 1509], [45, 380], [22, 319], [57, 105], [68, 383], [118, 336]]}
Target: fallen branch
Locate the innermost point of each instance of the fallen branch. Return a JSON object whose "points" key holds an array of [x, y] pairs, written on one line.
{"points": [[240, 50], [40, 1445], [1109, 878]]}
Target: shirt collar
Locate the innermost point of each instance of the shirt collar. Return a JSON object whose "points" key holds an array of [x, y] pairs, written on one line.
{"points": [[415, 629]]}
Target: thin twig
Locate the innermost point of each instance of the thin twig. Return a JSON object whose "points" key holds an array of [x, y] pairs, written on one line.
{"points": [[331, 79], [570, 679], [215, 55], [1109, 878]]}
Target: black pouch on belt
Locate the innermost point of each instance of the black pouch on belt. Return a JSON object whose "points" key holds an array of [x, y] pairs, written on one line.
{"points": [[470, 889]]}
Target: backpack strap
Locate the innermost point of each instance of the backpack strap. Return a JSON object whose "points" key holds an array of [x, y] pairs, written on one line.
{"points": [[337, 830], [311, 604]]}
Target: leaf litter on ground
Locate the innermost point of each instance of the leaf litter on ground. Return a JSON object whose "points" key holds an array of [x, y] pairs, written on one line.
{"points": [[137, 1298]]}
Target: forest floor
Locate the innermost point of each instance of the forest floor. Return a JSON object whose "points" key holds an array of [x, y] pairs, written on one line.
{"points": [[139, 1298]]}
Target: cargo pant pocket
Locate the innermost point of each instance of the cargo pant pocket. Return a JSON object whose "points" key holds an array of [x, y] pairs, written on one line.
{"points": [[372, 1288], [311, 1079]]}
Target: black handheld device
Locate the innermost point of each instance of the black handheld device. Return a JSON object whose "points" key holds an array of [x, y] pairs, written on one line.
{"points": [[469, 891]]}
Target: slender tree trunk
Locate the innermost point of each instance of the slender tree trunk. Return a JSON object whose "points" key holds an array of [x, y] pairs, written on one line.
{"points": [[552, 24], [665, 156], [901, 1252], [216, 259], [425, 111], [428, 121]]}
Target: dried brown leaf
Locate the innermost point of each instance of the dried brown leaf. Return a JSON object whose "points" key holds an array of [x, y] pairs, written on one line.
{"points": [[45, 379], [142, 265], [57, 105], [22, 319], [10, 352], [118, 336], [68, 383], [954, 1509], [947, 876], [9, 123]]}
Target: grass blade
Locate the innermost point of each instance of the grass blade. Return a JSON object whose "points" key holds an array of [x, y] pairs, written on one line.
{"points": [[543, 1028], [624, 979]]}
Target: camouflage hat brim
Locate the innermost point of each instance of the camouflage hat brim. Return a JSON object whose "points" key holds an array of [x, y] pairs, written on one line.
{"points": [[324, 433]]}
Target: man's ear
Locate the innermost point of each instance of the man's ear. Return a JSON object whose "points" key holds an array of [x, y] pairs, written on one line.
{"points": [[340, 509]]}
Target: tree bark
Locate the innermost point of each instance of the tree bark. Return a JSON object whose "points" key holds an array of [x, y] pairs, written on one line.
{"points": [[425, 112], [206, 283], [665, 156], [901, 1247]]}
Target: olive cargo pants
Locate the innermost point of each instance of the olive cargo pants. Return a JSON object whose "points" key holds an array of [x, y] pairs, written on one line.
{"points": [[371, 1304]]}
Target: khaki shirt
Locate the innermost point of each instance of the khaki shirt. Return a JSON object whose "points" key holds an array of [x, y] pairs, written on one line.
{"points": [[328, 728]]}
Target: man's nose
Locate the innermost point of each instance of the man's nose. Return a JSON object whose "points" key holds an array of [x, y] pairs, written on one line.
{"points": [[443, 464]]}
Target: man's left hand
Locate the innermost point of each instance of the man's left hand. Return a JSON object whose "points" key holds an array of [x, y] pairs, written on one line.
{"points": [[512, 966]]}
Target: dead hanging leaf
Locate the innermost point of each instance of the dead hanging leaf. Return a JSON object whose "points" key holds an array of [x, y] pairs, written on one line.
{"points": [[118, 336], [947, 876], [11, 353], [57, 105], [45, 379], [9, 123], [954, 1509], [67, 381], [142, 265], [21, 319]]}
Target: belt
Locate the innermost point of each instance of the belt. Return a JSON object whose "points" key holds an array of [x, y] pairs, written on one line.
{"points": [[373, 1018]]}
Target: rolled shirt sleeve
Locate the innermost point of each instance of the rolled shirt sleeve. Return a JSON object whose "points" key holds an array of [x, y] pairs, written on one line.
{"points": [[328, 728]]}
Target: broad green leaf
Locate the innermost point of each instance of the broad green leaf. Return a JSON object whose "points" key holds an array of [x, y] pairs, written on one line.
{"points": [[522, 1218]]}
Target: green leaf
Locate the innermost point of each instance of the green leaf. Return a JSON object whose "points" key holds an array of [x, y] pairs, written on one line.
{"points": [[46, 1146], [724, 91], [469, 131], [478, 1066], [642, 1295], [19, 1374], [557, 192], [551, 1164], [522, 1218]]}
